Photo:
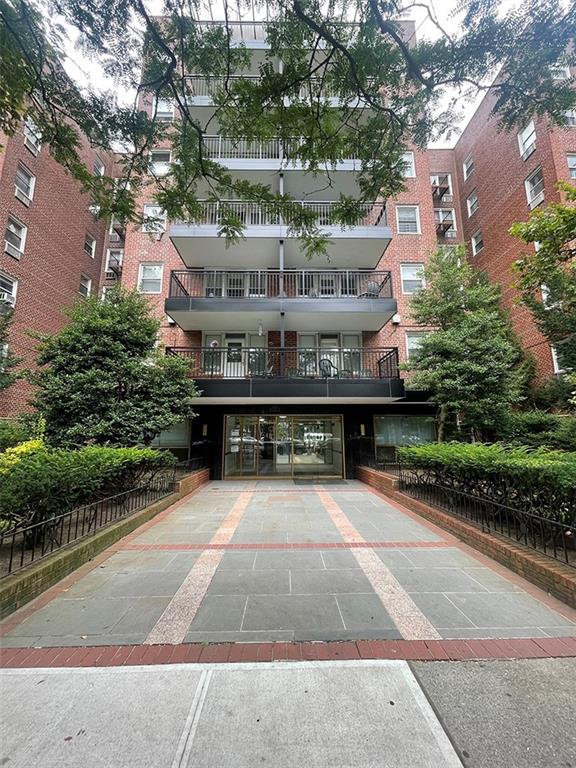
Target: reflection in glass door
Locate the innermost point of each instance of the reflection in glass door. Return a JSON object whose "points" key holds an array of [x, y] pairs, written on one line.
{"points": [[283, 446]]}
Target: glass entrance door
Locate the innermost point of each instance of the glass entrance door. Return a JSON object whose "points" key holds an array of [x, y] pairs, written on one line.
{"points": [[283, 446]]}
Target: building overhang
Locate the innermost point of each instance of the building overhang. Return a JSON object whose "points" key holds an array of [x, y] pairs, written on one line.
{"points": [[300, 391]]}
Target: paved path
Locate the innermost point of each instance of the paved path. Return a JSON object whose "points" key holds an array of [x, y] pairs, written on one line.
{"points": [[261, 562]]}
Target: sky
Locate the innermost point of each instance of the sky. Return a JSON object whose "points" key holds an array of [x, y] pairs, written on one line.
{"points": [[88, 73]]}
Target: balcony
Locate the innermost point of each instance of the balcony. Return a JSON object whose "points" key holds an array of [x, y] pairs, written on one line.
{"points": [[445, 225], [346, 300], [293, 373], [199, 243], [261, 155]]}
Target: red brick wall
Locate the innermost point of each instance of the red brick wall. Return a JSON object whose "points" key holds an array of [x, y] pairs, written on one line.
{"points": [[49, 270]]}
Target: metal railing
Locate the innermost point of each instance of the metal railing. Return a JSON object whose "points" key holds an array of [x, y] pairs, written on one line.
{"points": [[555, 539], [267, 214], [200, 86], [224, 147], [289, 284], [21, 546], [237, 362]]}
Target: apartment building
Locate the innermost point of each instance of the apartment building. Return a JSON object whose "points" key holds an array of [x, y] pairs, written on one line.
{"points": [[53, 245]]}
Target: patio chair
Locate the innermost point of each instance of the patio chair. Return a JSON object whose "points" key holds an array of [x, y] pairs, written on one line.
{"points": [[327, 368], [372, 290]]}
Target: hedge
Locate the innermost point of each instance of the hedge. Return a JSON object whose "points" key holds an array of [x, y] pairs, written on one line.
{"points": [[539, 429], [37, 482], [11, 433], [537, 481]]}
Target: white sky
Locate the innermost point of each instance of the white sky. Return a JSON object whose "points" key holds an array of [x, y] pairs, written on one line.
{"points": [[88, 73]]}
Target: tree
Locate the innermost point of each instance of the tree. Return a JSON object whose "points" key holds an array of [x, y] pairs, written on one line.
{"points": [[8, 361], [369, 61], [547, 277], [103, 382], [470, 363]]}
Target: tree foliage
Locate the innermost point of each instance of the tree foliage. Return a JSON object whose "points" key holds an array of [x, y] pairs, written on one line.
{"points": [[103, 382], [390, 87], [8, 361], [470, 363], [553, 265]]}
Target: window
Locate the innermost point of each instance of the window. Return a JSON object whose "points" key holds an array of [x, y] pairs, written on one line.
{"points": [[477, 243], [160, 161], [391, 431], [555, 363], [409, 165], [408, 219], [441, 184], [32, 137], [8, 288], [104, 291], [414, 342], [527, 140], [468, 167], [445, 222], [571, 117], [25, 182], [114, 258], [98, 167], [412, 276], [571, 160], [472, 203], [15, 237], [535, 188], [85, 286], [90, 246], [150, 278], [154, 219], [164, 110], [560, 72]]}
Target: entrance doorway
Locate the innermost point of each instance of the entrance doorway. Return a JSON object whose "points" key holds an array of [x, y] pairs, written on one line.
{"points": [[283, 446]]}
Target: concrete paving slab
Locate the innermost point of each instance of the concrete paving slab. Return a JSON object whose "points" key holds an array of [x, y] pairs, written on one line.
{"points": [[142, 615], [217, 613], [343, 581], [75, 617], [295, 612], [440, 611], [237, 561], [293, 561], [134, 584], [250, 583], [437, 580], [507, 610], [337, 559], [506, 714], [361, 612]]}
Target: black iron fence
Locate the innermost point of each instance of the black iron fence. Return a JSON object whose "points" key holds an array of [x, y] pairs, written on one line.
{"points": [[21, 546], [237, 362], [550, 537]]}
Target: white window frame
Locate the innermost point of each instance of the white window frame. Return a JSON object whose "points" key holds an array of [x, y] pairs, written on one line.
{"points": [[119, 256], [406, 278], [164, 116], [527, 140], [474, 240], [151, 226], [571, 157], [20, 193], [534, 200], [9, 297], [99, 167], [468, 167], [472, 203], [571, 118], [413, 335], [435, 182], [560, 72], [409, 165], [555, 364], [90, 239], [10, 249], [88, 281], [141, 267], [162, 167], [414, 207], [32, 137], [452, 218]]}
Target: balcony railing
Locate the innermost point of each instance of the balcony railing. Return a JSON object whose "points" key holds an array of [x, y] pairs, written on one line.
{"points": [[238, 362], [266, 215], [200, 86], [289, 284], [239, 148]]}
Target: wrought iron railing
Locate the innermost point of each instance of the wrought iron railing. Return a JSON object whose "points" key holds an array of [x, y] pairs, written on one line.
{"points": [[268, 214], [550, 537], [21, 546], [274, 283], [236, 362]]}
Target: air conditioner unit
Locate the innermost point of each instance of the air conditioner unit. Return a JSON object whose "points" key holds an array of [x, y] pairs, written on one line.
{"points": [[7, 298]]}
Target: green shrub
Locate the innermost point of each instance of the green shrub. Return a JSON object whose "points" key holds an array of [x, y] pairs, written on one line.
{"points": [[11, 433], [539, 429], [37, 482], [538, 481]]}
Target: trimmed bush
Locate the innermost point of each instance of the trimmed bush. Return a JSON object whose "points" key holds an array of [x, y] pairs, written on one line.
{"points": [[537, 481], [37, 483], [540, 429], [11, 433]]}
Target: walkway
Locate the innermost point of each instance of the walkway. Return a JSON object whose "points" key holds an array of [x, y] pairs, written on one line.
{"points": [[275, 561]]}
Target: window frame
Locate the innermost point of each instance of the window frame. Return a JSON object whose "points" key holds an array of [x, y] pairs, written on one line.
{"points": [[31, 132], [163, 116], [468, 167], [437, 183], [412, 334], [19, 194], [108, 273], [473, 245], [88, 280], [525, 148], [403, 279], [14, 291], [92, 252], [141, 266], [570, 115], [10, 249], [538, 199], [166, 164], [418, 230], [472, 211], [409, 165], [149, 227], [571, 168], [98, 166]]}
